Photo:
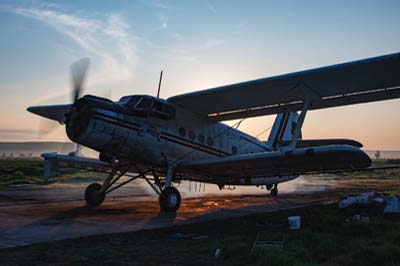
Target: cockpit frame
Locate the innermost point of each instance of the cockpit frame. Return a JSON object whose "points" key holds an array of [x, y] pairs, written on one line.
{"points": [[146, 105]]}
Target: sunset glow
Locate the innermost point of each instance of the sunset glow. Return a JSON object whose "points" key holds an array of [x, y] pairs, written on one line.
{"points": [[199, 45]]}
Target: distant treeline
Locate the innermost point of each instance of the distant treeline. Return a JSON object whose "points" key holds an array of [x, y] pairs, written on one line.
{"points": [[383, 154], [34, 149], [29, 149]]}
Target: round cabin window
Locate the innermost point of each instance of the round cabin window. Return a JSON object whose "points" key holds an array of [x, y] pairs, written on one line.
{"points": [[192, 135], [210, 141], [201, 138], [182, 132]]}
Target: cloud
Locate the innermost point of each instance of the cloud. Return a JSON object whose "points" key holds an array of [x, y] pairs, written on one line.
{"points": [[211, 6], [213, 43], [163, 21], [172, 54], [156, 4], [104, 38], [177, 35], [57, 18]]}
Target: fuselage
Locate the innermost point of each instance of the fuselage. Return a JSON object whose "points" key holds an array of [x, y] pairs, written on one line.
{"points": [[153, 133], [115, 129]]}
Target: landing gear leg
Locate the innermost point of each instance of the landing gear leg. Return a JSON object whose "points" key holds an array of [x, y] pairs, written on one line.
{"points": [[274, 191], [96, 193], [170, 198]]}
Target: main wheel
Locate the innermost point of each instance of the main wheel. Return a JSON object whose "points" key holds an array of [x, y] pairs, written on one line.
{"points": [[93, 196], [170, 199], [274, 192]]}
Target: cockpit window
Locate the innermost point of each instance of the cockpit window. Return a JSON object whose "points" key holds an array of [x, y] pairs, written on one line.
{"points": [[130, 101], [124, 100], [144, 104], [162, 110], [148, 106], [134, 100]]}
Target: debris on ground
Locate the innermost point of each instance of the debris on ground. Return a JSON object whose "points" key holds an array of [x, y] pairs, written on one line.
{"points": [[262, 242], [369, 202], [179, 235], [217, 253], [392, 204], [294, 222], [362, 218]]}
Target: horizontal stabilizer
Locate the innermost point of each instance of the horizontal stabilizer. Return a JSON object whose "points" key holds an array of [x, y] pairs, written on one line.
{"points": [[52, 112], [281, 163]]}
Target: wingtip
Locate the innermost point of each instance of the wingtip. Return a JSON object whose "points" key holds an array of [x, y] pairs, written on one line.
{"points": [[52, 112], [31, 109]]}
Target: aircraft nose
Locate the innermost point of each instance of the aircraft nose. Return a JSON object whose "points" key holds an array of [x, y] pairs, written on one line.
{"points": [[76, 122], [77, 119]]}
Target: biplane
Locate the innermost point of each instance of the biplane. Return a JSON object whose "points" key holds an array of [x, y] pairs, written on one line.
{"points": [[165, 141]]}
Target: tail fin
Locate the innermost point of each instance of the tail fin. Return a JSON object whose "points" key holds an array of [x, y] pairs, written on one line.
{"points": [[283, 129]]}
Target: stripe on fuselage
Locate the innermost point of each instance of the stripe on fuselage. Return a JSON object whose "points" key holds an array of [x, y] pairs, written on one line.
{"points": [[164, 135]]}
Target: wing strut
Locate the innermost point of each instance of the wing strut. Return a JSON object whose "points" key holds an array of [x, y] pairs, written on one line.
{"points": [[309, 96]]}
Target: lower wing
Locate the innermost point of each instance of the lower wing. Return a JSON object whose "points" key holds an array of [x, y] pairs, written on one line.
{"points": [[77, 161], [296, 162]]}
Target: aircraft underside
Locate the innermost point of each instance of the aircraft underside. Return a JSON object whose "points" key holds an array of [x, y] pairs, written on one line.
{"points": [[182, 138], [169, 196]]}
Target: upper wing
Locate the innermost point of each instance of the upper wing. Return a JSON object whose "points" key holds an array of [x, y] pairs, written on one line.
{"points": [[280, 163], [367, 80]]}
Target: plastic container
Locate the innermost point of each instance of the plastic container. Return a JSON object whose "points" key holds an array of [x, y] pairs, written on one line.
{"points": [[294, 222]]}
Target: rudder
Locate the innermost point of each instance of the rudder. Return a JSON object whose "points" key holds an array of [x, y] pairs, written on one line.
{"points": [[283, 129]]}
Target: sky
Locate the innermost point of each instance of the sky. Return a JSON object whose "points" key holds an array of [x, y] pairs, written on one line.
{"points": [[199, 44]]}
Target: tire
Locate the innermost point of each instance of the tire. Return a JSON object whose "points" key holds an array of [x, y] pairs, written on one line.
{"points": [[93, 196], [170, 199]]}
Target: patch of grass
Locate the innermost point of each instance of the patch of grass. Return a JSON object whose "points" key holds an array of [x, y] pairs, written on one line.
{"points": [[30, 171], [19, 177], [329, 240], [378, 174]]}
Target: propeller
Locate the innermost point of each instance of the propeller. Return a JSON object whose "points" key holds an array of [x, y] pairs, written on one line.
{"points": [[78, 73]]}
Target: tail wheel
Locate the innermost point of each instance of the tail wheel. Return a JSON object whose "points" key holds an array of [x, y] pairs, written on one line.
{"points": [[170, 199], [93, 196]]}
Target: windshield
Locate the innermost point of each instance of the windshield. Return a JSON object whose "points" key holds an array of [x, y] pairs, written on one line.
{"points": [[134, 100], [130, 101], [144, 103]]}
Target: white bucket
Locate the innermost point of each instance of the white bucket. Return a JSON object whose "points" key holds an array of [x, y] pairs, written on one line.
{"points": [[294, 222]]}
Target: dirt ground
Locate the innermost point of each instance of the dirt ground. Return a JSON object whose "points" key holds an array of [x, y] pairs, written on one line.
{"points": [[40, 214]]}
